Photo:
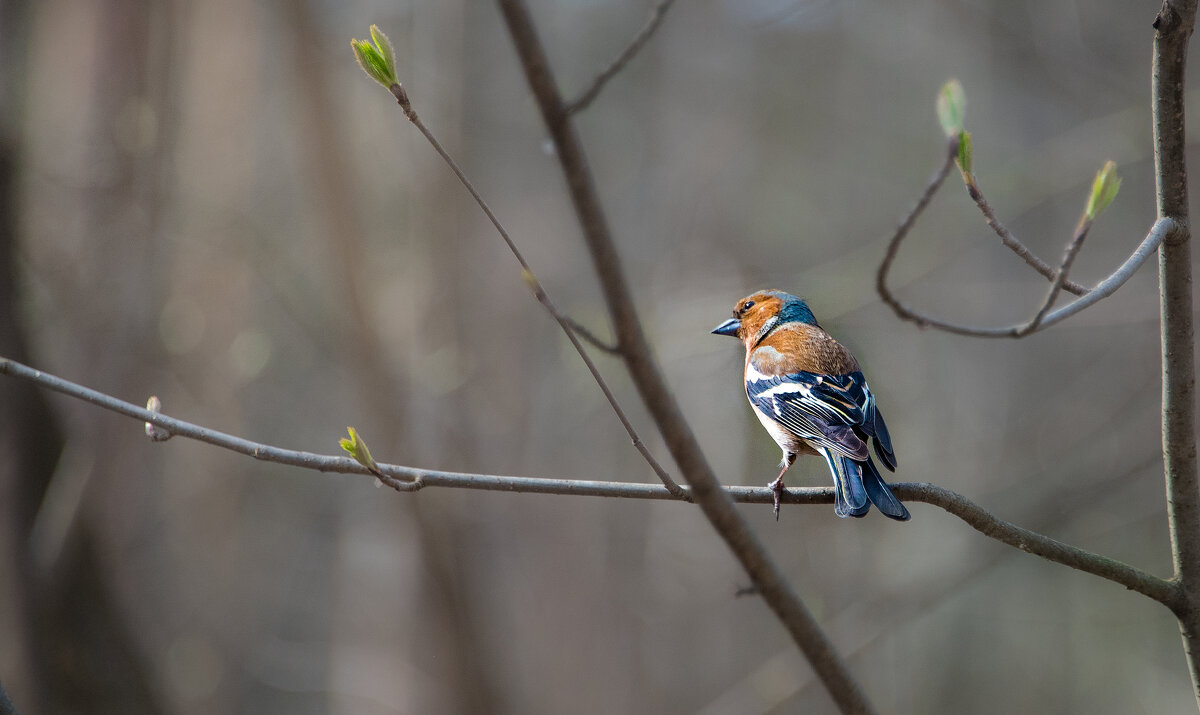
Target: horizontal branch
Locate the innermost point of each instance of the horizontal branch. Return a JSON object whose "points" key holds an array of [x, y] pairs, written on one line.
{"points": [[403, 478]]}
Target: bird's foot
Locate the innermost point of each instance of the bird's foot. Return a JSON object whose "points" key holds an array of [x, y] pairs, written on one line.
{"points": [[777, 487]]}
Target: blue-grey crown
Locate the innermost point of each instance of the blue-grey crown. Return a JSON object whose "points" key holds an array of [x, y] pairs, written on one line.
{"points": [[794, 309]]}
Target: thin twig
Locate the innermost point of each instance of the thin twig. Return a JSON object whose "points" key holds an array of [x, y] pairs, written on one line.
{"points": [[1060, 277], [1161, 228], [611, 348], [905, 225], [538, 291], [410, 479], [593, 90], [1009, 240]]}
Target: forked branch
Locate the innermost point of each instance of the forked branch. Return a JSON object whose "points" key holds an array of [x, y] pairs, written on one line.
{"points": [[1044, 316]]}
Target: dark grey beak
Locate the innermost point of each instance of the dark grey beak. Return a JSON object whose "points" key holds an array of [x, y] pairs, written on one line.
{"points": [[729, 327]]}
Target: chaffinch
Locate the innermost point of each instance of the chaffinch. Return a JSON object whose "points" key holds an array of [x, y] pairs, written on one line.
{"points": [[808, 391]]}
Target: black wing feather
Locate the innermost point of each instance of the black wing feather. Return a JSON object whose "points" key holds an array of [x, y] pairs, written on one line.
{"points": [[825, 410], [837, 415]]}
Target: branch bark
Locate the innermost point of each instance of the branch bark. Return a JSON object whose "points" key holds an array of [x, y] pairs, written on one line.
{"points": [[411, 479], [1173, 30]]}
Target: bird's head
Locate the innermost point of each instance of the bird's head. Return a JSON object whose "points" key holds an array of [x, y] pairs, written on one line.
{"points": [[759, 313]]}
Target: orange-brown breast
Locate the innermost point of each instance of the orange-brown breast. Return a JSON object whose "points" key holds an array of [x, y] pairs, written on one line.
{"points": [[799, 346]]}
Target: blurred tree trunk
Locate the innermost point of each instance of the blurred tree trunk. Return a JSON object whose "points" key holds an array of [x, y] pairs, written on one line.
{"points": [[448, 638], [80, 654]]}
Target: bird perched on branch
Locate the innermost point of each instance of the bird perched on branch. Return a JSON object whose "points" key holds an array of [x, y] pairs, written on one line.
{"points": [[808, 391]]}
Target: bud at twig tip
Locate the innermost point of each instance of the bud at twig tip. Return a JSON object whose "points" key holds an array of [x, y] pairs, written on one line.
{"points": [[951, 107], [377, 57], [1104, 190]]}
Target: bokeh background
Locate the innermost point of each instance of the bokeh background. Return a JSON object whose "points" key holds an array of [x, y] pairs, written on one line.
{"points": [[209, 202]]}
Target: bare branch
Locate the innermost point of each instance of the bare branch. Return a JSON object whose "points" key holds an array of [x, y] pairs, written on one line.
{"points": [[1162, 228], [568, 326], [409, 479], [593, 90], [1009, 240], [902, 230], [1161, 590], [1044, 318], [1173, 29]]}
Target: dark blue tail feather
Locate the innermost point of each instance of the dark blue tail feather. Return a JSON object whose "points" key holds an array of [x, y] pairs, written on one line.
{"points": [[850, 498], [880, 495], [858, 485]]}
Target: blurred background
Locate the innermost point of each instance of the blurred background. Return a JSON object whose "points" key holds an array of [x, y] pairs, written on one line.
{"points": [[209, 202]]}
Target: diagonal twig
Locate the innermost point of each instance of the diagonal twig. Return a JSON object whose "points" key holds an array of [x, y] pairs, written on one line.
{"points": [[1011, 241], [411, 479], [643, 36], [1060, 278], [568, 326]]}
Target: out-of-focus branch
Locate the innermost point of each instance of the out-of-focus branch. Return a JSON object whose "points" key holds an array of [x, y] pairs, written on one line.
{"points": [[643, 36], [583, 332], [409, 479], [1173, 29], [658, 398], [379, 399], [1043, 318]]}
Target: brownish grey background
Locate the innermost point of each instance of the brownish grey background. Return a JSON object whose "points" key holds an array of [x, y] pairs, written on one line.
{"points": [[216, 206]]}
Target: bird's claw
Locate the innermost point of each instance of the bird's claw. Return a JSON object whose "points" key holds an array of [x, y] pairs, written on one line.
{"points": [[777, 487]]}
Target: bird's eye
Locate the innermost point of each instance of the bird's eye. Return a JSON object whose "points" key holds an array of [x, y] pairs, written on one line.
{"points": [[746, 306]]}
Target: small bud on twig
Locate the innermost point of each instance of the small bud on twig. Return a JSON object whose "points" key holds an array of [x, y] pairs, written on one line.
{"points": [[965, 155], [357, 448], [951, 108], [1104, 190], [153, 431]]}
